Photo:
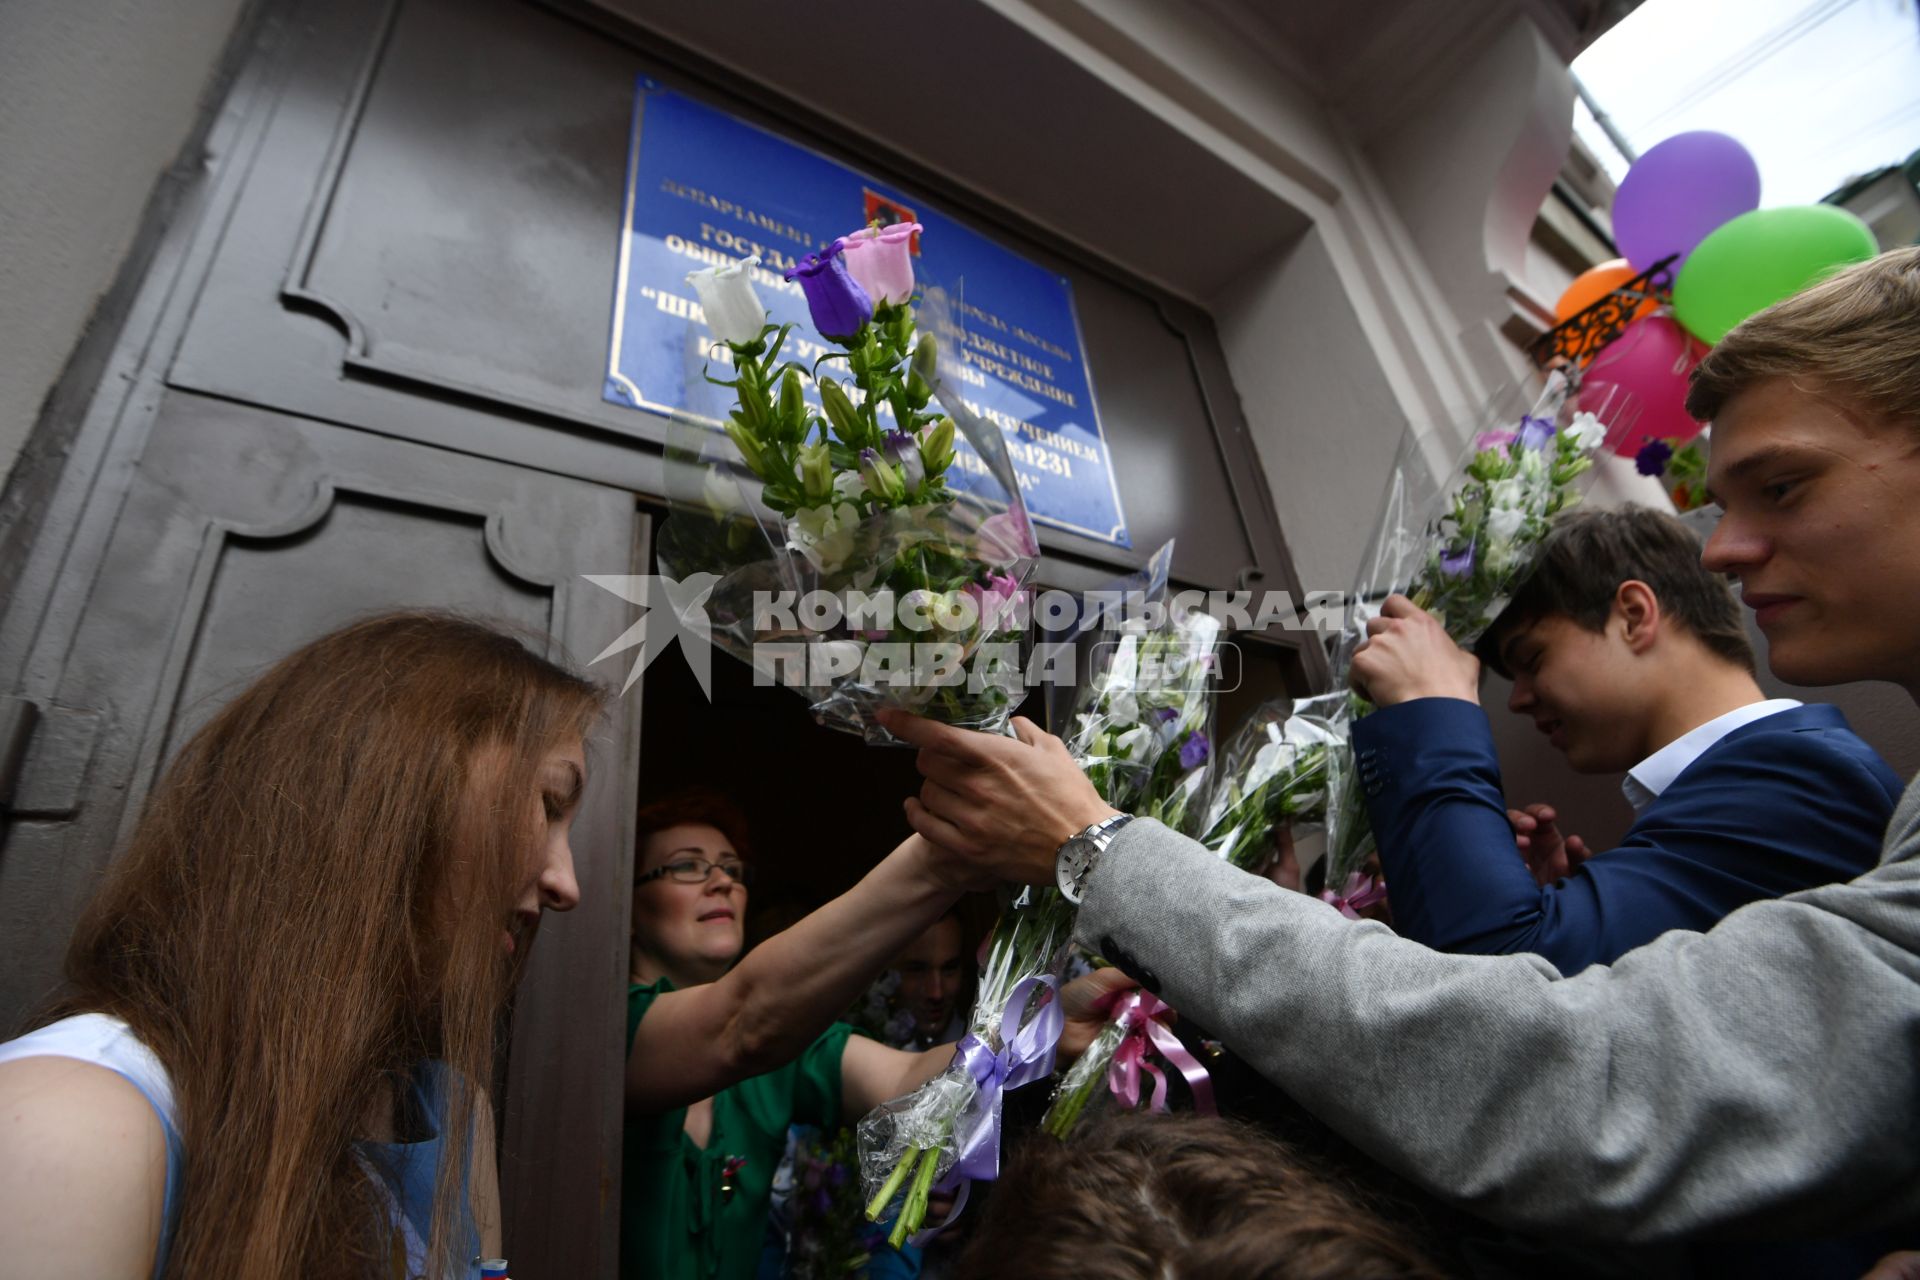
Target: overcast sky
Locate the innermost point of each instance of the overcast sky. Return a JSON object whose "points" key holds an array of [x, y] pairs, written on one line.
{"points": [[1818, 90]]}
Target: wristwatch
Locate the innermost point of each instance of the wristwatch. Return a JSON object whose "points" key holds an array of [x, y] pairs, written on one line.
{"points": [[1074, 862]]}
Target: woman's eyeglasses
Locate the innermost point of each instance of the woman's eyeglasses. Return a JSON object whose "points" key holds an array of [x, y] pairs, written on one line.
{"points": [[697, 870]]}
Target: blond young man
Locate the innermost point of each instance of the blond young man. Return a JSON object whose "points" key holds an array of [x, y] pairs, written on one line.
{"points": [[1761, 1078]]}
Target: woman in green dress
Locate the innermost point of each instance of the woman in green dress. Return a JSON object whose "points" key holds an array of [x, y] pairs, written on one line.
{"points": [[725, 1055]]}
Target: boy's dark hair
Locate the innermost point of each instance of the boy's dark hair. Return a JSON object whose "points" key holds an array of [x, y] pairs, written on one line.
{"points": [[1586, 557], [1179, 1197]]}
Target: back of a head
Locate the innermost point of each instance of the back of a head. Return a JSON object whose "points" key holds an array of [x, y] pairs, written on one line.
{"points": [[1590, 552], [302, 908], [1855, 334], [1145, 1197]]}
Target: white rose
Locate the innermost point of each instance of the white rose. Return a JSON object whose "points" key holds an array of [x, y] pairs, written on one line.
{"points": [[1504, 524], [1586, 431]]}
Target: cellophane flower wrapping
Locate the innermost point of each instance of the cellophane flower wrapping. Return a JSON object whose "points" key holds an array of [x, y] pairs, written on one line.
{"points": [[1273, 772], [911, 1145], [1141, 727], [856, 553], [1460, 548]]}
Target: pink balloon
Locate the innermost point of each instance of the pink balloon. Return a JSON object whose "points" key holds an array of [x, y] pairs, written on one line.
{"points": [[1650, 361]]}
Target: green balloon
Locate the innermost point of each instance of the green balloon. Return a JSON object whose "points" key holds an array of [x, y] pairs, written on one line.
{"points": [[1758, 258]]}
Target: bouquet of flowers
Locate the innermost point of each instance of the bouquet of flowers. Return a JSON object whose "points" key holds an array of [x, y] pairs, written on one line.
{"points": [[1461, 555], [1151, 692], [847, 557], [946, 1134], [1273, 771], [1140, 728]]}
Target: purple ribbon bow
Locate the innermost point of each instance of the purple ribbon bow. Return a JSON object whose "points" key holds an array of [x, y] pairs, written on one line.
{"points": [[1027, 1056]]}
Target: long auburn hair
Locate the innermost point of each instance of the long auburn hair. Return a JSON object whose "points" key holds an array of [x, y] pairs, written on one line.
{"points": [[310, 906]]}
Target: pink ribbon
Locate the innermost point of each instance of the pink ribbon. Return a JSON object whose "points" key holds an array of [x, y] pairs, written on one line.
{"points": [[1361, 891], [1143, 1016]]}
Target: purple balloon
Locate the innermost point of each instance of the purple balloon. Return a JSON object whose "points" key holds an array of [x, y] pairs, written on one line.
{"points": [[1678, 193]]}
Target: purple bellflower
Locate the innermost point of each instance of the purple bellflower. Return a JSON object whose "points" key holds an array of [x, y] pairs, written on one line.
{"points": [[1194, 751], [837, 302], [1535, 432], [1457, 564], [903, 451], [1653, 457]]}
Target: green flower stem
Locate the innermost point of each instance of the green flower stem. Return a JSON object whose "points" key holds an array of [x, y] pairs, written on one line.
{"points": [[1082, 1082], [914, 1211], [878, 1205]]}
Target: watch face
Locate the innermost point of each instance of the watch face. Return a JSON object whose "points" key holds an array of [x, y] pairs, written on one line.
{"points": [[1075, 854]]}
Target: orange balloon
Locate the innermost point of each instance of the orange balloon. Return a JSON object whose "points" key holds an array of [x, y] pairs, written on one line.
{"points": [[1594, 284]]}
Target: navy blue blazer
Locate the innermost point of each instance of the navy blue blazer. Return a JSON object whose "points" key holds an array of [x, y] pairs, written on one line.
{"points": [[1784, 803]]}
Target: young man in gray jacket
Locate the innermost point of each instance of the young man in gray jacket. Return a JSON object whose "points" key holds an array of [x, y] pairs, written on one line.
{"points": [[1762, 1078]]}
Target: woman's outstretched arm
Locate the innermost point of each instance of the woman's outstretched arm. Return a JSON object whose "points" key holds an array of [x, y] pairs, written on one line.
{"points": [[785, 992]]}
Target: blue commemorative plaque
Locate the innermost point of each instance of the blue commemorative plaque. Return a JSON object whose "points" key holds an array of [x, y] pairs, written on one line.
{"points": [[704, 188]]}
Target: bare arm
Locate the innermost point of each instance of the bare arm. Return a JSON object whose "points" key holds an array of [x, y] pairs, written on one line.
{"points": [[83, 1172], [872, 1073], [786, 991]]}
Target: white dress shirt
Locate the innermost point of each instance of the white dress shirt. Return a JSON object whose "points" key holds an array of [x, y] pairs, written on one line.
{"points": [[1646, 780]]}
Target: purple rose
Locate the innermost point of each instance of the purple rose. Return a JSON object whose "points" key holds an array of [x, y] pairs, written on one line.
{"points": [[1653, 457], [1457, 564], [1193, 752], [838, 304], [1535, 432]]}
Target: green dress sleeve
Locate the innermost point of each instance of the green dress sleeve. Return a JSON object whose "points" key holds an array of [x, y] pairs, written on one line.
{"points": [[816, 1082], [692, 1213]]}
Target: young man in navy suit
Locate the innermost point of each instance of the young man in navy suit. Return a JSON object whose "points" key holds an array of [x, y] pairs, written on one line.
{"points": [[1631, 658]]}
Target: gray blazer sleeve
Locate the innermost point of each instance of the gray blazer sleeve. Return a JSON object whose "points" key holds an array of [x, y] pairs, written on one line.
{"points": [[1760, 1076]]}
